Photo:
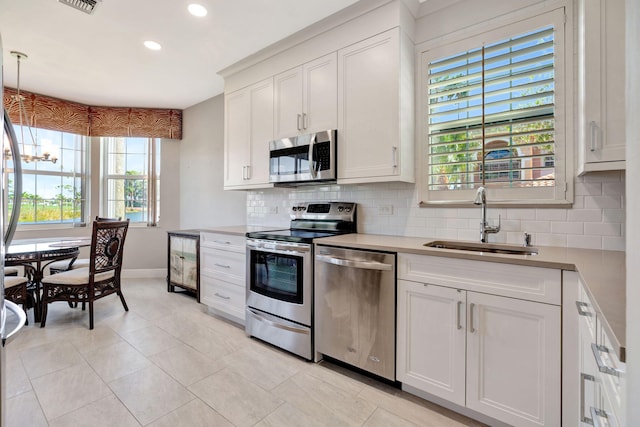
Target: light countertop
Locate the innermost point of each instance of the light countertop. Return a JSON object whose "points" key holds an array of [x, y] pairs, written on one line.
{"points": [[603, 272]]}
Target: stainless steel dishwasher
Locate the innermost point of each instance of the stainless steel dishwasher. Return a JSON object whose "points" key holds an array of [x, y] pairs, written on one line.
{"points": [[355, 308]]}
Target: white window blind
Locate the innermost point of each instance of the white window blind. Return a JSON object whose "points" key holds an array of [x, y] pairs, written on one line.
{"points": [[495, 114], [491, 115]]}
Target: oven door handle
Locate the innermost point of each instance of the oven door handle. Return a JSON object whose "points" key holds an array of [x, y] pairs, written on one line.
{"points": [[261, 318], [367, 265], [278, 247]]}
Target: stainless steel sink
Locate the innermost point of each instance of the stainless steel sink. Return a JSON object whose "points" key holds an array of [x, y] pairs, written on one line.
{"points": [[483, 247]]}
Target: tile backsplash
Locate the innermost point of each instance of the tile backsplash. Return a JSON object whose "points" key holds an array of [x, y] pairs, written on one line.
{"points": [[596, 220]]}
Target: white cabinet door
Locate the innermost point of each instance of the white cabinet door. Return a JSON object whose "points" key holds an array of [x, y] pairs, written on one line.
{"points": [[236, 137], [248, 130], [261, 113], [306, 98], [370, 138], [431, 339], [513, 360], [288, 103], [320, 96], [602, 88]]}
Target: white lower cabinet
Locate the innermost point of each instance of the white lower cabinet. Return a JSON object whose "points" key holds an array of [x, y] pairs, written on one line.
{"points": [[602, 375], [495, 355], [222, 274]]}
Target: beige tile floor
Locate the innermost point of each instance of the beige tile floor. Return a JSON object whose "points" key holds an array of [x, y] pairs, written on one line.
{"points": [[167, 362]]}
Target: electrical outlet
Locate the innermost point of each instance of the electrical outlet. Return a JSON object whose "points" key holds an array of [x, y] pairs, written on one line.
{"points": [[385, 210]]}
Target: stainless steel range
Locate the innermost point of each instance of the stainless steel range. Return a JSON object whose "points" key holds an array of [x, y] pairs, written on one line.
{"points": [[280, 274]]}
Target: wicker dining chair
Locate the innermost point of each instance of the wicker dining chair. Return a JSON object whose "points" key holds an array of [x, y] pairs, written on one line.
{"points": [[72, 264], [100, 279], [15, 290]]}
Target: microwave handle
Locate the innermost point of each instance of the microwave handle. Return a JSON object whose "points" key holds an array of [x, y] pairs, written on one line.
{"points": [[312, 163]]}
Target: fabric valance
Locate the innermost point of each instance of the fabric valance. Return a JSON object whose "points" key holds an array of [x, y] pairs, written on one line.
{"points": [[46, 112]]}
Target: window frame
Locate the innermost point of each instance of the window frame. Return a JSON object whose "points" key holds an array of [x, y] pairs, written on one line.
{"points": [[152, 179], [81, 159], [561, 195]]}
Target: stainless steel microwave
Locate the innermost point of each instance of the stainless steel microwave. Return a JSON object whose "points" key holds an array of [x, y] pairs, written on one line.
{"points": [[303, 159]]}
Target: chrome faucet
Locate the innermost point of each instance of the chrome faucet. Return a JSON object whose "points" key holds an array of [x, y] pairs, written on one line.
{"points": [[485, 228]]}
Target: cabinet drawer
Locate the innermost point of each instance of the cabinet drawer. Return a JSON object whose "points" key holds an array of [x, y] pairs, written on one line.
{"points": [[227, 242], [613, 378], [516, 281], [226, 297], [229, 266]]}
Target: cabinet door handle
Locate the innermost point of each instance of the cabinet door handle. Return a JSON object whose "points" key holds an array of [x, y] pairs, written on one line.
{"points": [[222, 265], [583, 378], [459, 304], [244, 173], [593, 127], [305, 121], [298, 122], [581, 306], [471, 329], [597, 414], [249, 172], [394, 156], [602, 367], [222, 296]]}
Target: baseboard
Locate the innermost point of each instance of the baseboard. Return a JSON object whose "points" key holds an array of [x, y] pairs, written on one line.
{"points": [[144, 273], [452, 406]]}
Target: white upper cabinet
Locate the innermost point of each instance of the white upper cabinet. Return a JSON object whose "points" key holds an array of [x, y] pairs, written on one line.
{"points": [[375, 110], [306, 98], [601, 130], [248, 130]]}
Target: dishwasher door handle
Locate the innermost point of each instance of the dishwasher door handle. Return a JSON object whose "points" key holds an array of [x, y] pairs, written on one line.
{"points": [[366, 265]]}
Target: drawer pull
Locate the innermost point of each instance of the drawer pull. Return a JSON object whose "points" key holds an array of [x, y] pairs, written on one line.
{"points": [[581, 306], [222, 296], [597, 414], [597, 350], [222, 242], [584, 377], [222, 265]]}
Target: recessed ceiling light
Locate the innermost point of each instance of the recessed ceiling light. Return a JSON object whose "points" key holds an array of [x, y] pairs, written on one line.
{"points": [[150, 44], [197, 10]]}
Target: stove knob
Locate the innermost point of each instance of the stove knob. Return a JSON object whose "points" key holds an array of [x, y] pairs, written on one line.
{"points": [[340, 208], [347, 210], [294, 208]]}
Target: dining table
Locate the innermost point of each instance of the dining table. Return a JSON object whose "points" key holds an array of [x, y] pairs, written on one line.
{"points": [[34, 255]]}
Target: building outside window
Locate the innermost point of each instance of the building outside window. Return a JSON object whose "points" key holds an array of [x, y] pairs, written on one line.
{"points": [[52, 193], [131, 175]]}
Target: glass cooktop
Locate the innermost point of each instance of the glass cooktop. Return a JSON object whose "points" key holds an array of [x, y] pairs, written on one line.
{"points": [[297, 236]]}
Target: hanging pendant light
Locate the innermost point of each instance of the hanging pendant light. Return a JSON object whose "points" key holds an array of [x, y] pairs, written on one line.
{"points": [[29, 152]]}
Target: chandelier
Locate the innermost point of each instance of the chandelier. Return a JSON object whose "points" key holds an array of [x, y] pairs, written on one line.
{"points": [[29, 153]]}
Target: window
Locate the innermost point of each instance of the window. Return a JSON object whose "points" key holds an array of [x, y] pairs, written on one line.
{"points": [[131, 172], [494, 114], [52, 193]]}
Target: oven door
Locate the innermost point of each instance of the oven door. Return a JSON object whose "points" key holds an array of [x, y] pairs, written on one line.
{"points": [[279, 279]]}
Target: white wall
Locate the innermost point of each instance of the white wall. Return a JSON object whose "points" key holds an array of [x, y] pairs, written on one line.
{"points": [[633, 209], [203, 202]]}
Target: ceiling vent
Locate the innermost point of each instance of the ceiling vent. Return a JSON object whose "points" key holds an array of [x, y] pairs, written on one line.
{"points": [[86, 6]]}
